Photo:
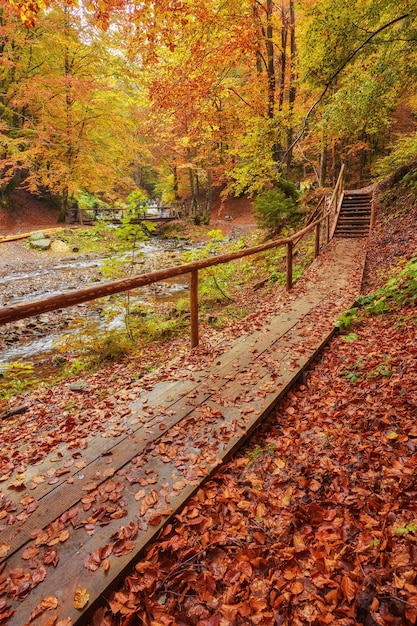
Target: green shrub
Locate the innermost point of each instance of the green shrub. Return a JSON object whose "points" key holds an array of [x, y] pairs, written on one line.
{"points": [[277, 207]]}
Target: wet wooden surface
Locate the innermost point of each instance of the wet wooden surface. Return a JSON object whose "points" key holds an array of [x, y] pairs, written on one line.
{"points": [[121, 490]]}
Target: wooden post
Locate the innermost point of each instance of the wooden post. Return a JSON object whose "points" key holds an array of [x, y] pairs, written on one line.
{"points": [[372, 223], [317, 241], [194, 308], [289, 265], [328, 228]]}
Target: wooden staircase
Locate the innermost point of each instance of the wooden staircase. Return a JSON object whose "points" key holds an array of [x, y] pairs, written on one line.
{"points": [[355, 215]]}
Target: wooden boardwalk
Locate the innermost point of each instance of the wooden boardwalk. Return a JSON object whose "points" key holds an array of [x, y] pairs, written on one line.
{"points": [[90, 524]]}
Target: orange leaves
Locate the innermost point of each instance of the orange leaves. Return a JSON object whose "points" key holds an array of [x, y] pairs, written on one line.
{"points": [[4, 549], [411, 609], [349, 588], [46, 604]]}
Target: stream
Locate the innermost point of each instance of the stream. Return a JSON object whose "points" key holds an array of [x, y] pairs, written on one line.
{"points": [[34, 340]]}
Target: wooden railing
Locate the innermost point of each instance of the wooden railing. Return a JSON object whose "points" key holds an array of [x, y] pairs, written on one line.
{"points": [[21, 311], [336, 199]]}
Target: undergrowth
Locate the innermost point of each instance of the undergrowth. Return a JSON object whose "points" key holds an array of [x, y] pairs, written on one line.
{"points": [[399, 290]]}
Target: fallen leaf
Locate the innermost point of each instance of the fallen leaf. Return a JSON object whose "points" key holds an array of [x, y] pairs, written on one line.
{"points": [[47, 604], [4, 549], [81, 598]]}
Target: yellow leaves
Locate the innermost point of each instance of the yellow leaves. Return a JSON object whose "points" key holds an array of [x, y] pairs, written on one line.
{"points": [[280, 463], [81, 598]]}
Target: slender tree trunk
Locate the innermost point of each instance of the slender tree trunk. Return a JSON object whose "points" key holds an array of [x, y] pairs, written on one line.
{"points": [[292, 92], [63, 210], [176, 192], [283, 68], [209, 193], [270, 60]]}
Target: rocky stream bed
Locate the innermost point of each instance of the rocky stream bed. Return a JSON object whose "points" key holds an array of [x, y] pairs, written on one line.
{"points": [[27, 275]]}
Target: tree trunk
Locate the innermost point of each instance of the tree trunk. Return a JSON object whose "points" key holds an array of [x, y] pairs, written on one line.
{"points": [[175, 184], [323, 166], [270, 60], [283, 69], [209, 194], [63, 210], [292, 87]]}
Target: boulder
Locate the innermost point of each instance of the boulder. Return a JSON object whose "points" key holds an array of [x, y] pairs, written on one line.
{"points": [[38, 236], [40, 244], [60, 246]]}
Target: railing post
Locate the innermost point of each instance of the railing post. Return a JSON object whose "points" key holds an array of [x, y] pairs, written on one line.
{"points": [[328, 228], [317, 241], [289, 266], [194, 308], [372, 224]]}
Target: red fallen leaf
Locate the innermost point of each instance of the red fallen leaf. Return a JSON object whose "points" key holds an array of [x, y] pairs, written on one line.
{"points": [[155, 519], [61, 472], [118, 514], [38, 575], [259, 537], [128, 532], [19, 485], [121, 547], [349, 588], [89, 487], [142, 525], [30, 553], [4, 615], [42, 538], [323, 581], [47, 604], [4, 549], [297, 587], [411, 609], [27, 500], [50, 556], [93, 561], [32, 506]]}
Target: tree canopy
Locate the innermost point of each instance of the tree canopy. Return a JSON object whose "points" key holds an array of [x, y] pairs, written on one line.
{"points": [[232, 93]]}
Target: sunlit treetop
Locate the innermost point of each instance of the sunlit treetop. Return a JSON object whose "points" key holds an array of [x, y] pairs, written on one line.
{"points": [[28, 10]]}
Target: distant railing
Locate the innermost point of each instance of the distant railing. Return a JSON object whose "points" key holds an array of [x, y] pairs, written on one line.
{"points": [[336, 199], [115, 216], [51, 303]]}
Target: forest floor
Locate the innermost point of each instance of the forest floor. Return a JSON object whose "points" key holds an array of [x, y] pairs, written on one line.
{"points": [[314, 521]]}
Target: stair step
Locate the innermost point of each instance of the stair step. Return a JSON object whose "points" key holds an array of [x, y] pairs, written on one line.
{"points": [[355, 216], [356, 220]]}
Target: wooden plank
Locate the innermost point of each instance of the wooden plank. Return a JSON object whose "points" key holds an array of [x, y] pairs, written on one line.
{"points": [[224, 435]]}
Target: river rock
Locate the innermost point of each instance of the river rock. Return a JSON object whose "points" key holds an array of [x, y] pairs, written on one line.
{"points": [[40, 244], [60, 246], [38, 236]]}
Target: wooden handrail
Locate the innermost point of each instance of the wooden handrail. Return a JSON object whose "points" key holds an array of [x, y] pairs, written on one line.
{"points": [[337, 198], [36, 307]]}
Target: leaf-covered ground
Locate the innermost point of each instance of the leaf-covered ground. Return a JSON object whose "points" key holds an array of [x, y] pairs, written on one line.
{"points": [[315, 521], [281, 534]]}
